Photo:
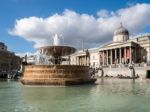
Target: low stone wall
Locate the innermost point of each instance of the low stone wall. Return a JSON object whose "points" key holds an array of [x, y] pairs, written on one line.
{"points": [[114, 72]]}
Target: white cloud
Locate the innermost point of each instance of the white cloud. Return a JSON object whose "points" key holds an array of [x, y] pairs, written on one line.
{"points": [[74, 26], [103, 13]]}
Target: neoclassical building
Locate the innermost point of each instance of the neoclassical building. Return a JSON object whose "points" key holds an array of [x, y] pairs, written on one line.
{"points": [[80, 58], [88, 57], [123, 50]]}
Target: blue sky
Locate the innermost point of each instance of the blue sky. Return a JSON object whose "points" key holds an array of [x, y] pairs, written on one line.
{"points": [[12, 10]]}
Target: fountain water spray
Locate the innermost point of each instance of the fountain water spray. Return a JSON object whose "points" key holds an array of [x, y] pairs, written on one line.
{"points": [[56, 40]]}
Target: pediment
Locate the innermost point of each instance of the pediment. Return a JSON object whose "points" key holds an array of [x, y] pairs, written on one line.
{"points": [[113, 44]]}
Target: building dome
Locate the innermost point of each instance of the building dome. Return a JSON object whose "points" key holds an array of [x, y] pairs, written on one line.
{"points": [[121, 30], [121, 34]]}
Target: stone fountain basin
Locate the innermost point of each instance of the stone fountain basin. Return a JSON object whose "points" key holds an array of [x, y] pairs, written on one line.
{"points": [[56, 75], [57, 50]]}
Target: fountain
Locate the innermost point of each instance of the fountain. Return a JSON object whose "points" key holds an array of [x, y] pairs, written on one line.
{"points": [[48, 69]]}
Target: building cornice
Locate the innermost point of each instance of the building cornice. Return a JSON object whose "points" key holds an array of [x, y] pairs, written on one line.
{"points": [[118, 45]]}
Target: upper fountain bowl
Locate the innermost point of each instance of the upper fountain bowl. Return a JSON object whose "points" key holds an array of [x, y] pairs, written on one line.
{"points": [[57, 50]]}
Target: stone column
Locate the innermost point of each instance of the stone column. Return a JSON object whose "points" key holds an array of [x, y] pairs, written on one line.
{"points": [[125, 55], [42, 51], [116, 56], [88, 60], [87, 63], [76, 60], [107, 57], [111, 58], [120, 55], [130, 54], [103, 58], [135, 59], [85, 60], [79, 61], [82, 62]]}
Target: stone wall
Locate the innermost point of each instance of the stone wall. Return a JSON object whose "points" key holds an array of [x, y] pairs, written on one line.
{"points": [[114, 72]]}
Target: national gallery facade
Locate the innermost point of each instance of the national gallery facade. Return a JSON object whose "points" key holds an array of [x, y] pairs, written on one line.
{"points": [[122, 50]]}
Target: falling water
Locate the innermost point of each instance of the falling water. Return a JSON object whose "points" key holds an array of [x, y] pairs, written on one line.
{"points": [[42, 59]]}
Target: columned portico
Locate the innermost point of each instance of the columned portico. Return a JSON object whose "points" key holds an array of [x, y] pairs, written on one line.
{"points": [[121, 50], [118, 55], [83, 60]]}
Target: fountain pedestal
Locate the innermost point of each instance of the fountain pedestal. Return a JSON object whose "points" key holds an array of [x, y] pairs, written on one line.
{"points": [[56, 75]]}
